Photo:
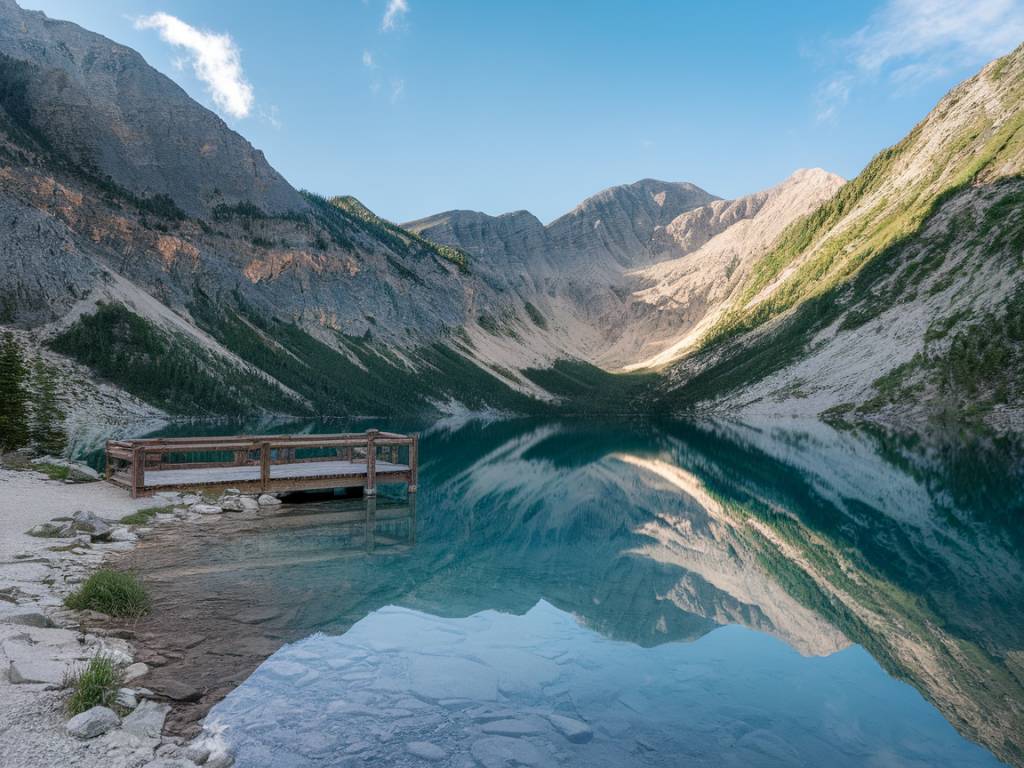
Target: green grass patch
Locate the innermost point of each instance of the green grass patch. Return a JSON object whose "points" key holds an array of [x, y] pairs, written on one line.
{"points": [[53, 471], [94, 686], [145, 515], [113, 593]]}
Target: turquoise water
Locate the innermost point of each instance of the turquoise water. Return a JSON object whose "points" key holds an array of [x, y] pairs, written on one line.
{"points": [[636, 594]]}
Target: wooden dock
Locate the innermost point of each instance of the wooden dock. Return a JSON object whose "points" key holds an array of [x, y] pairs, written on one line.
{"points": [[264, 463]]}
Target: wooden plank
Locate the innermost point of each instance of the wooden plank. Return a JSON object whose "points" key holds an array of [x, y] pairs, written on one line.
{"points": [[138, 471], [371, 463], [414, 463], [264, 465]]}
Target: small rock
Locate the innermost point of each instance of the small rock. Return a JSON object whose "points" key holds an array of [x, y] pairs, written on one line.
{"points": [[575, 731], [231, 503], [92, 723], [144, 693], [123, 533], [88, 522], [502, 751], [147, 721], [426, 750], [90, 615], [511, 727], [238, 503], [206, 509], [126, 698], [31, 619], [232, 492], [50, 530], [220, 759], [266, 500], [176, 691], [135, 671], [198, 752], [35, 670]]}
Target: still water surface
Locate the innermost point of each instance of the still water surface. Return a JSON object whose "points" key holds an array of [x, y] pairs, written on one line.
{"points": [[652, 595]]}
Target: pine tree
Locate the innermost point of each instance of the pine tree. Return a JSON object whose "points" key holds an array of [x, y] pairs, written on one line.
{"points": [[46, 428], [13, 415]]}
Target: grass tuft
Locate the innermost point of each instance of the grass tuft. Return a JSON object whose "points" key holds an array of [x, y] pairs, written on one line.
{"points": [[94, 686], [53, 471], [143, 516], [113, 593]]}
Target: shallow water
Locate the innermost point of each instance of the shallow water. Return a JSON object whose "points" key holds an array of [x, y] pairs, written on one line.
{"points": [[616, 595]]}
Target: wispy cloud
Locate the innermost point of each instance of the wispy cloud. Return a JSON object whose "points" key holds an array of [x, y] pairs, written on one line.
{"points": [[909, 42], [368, 61], [215, 58], [394, 12], [397, 89]]}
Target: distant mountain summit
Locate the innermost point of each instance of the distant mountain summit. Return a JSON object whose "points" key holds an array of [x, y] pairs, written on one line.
{"points": [[100, 106]]}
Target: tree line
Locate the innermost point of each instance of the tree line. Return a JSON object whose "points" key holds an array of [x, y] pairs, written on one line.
{"points": [[31, 408]]}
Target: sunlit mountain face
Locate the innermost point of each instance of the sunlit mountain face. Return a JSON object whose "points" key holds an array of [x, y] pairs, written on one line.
{"points": [[716, 591]]}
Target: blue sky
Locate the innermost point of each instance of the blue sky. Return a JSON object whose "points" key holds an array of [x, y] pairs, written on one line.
{"points": [[418, 106]]}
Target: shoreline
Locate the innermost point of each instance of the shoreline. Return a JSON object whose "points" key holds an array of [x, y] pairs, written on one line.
{"points": [[41, 640]]}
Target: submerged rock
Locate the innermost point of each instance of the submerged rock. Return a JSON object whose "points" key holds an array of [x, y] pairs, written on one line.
{"points": [[502, 751], [92, 723], [574, 730], [426, 751]]}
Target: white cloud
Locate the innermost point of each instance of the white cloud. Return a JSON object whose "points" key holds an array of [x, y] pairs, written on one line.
{"points": [[395, 10], [368, 61], [908, 42], [397, 89], [215, 59]]}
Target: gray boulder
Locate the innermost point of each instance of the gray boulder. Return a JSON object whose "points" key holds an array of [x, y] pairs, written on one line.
{"points": [[90, 523], [92, 723], [266, 500]]}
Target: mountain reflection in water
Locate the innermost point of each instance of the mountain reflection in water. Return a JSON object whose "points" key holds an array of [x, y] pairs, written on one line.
{"points": [[645, 536]]}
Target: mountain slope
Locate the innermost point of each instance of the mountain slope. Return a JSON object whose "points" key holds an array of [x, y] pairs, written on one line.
{"points": [[920, 247], [98, 105]]}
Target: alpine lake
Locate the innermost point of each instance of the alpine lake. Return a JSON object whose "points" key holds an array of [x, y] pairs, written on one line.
{"points": [[561, 593]]}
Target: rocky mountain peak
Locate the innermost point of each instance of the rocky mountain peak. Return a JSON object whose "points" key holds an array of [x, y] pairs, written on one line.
{"points": [[105, 110]]}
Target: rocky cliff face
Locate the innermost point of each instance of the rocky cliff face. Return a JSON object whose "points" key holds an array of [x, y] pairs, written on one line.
{"points": [[102, 107]]}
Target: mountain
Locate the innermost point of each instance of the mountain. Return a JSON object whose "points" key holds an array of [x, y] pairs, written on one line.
{"points": [[152, 249], [595, 274], [97, 105], [898, 299]]}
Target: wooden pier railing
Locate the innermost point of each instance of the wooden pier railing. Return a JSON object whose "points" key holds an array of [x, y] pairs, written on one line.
{"points": [[265, 463]]}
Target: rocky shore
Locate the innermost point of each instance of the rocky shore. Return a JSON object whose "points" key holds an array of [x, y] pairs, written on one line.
{"points": [[53, 534]]}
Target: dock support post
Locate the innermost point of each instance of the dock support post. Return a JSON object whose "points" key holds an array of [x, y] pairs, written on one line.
{"points": [[371, 463], [414, 462], [138, 471], [107, 470], [264, 466]]}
